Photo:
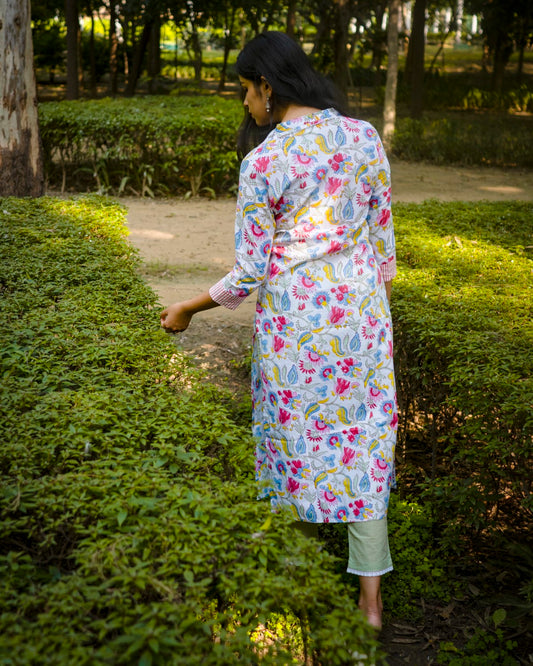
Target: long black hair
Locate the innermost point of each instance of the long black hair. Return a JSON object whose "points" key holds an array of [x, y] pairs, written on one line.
{"points": [[278, 59]]}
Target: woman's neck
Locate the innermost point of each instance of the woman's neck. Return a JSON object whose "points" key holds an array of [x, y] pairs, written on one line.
{"points": [[296, 111]]}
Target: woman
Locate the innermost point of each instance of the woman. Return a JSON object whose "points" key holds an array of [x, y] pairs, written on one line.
{"points": [[314, 238]]}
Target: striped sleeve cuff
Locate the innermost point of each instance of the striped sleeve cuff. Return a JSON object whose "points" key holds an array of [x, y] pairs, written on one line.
{"points": [[224, 297], [388, 269]]}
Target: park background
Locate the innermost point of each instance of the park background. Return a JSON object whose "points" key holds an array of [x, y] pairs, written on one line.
{"points": [[130, 532]]}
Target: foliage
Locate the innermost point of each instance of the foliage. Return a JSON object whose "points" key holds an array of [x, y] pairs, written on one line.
{"points": [[464, 336], [454, 140], [160, 145], [130, 532]]}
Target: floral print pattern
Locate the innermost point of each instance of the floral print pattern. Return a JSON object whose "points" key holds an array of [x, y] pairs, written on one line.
{"points": [[314, 236]]}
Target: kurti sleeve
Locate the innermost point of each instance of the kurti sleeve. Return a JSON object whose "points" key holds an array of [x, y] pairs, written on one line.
{"points": [[254, 232], [381, 228]]}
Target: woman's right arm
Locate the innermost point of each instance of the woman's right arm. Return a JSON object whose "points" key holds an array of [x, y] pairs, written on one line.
{"points": [[177, 317]]}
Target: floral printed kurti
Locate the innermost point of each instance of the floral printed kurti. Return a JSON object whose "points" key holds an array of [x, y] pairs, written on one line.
{"points": [[314, 237]]}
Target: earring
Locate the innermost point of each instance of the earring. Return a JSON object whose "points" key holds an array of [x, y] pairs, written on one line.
{"points": [[267, 105]]}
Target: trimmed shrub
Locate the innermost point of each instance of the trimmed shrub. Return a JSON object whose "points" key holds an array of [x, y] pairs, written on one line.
{"points": [[455, 139], [145, 146], [129, 531]]}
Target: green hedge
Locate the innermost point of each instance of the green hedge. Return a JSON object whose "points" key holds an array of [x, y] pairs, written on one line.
{"points": [[496, 141], [185, 145], [464, 357], [145, 146], [130, 532]]}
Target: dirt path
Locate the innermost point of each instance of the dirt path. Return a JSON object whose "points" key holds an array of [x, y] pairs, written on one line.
{"points": [[188, 245]]}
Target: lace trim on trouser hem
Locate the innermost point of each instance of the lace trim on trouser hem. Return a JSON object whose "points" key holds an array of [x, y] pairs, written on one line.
{"points": [[369, 573]]}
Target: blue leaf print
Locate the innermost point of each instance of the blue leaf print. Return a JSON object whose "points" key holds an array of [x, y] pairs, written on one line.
{"points": [[355, 343], [360, 414], [310, 514], [300, 445], [286, 182], [348, 210], [293, 375], [340, 137], [348, 270], [364, 484], [238, 239], [285, 301]]}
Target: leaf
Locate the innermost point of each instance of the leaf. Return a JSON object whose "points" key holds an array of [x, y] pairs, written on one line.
{"points": [[498, 617], [121, 517]]}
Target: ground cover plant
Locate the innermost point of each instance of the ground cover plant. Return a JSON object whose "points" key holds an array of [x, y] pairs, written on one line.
{"points": [[130, 532], [464, 340]]}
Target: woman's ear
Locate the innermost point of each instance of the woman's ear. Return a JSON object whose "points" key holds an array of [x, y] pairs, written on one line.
{"points": [[265, 85]]}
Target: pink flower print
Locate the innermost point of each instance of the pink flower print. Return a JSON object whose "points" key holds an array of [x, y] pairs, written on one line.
{"points": [[384, 218], [314, 436], [278, 343], [387, 407], [328, 372], [347, 456], [373, 203], [321, 425], [267, 326], [369, 329], [334, 247], [296, 466], [336, 162], [292, 486], [342, 385], [336, 315], [329, 496], [289, 398], [333, 185], [278, 251], [314, 357], [261, 164], [334, 441], [319, 174], [372, 397], [357, 506], [281, 323], [274, 270], [352, 433], [378, 470], [284, 416], [321, 299], [394, 422]]}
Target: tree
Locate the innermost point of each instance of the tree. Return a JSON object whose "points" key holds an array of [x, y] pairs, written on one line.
{"points": [[21, 168], [73, 32], [389, 107], [414, 73]]}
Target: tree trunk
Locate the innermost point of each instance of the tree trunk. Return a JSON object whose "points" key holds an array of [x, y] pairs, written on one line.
{"points": [[229, 25], [73, 28], [291, 18], [92, 74], [138, 56], [154, 52], [113, 49], [389, 108], [340, 45], [21, 166], [416, 58]]}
